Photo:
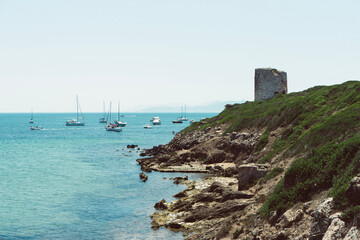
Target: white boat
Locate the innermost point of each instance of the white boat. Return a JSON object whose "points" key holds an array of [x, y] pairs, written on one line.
{"points": [[103, 119], [192, 121], [177, 121], [156, 121], [111, 126], [182, 118], [121, 124], [147, 126], [32, 117], [36, 128], [76, 122]]}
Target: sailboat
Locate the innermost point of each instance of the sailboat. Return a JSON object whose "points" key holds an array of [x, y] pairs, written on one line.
{"points": [[181, 118], [112, 127], [121, 124], [103, 119], [32, 117], [184, 118], [76, 122]]}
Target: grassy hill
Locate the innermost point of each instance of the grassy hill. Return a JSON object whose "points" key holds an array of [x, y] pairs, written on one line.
{"points": [[319, 127]]}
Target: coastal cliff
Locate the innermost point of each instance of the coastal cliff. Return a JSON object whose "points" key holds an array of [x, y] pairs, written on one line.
{"points": [[284, 168]]}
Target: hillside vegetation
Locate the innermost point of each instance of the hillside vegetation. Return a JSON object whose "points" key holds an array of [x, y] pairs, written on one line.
{"points": [[320, 128]]}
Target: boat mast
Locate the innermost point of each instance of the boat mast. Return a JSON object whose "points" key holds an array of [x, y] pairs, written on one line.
{"points": [[110, 113], [119, 110], [104, 109], [77, 108]]}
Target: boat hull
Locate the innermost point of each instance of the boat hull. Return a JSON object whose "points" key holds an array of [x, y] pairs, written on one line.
{"points": [[177, 122], [75, 124], [114, 129]]}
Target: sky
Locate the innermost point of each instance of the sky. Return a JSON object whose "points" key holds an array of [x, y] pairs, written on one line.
{"points": [[147, 53]]}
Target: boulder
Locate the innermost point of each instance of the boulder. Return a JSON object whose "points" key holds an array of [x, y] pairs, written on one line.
{"points": [[230, 171], [290, 216], [161, 205], [216, 187], [249, 173], [219, 168], [353, 191], [180, 194], [321, 220], [273, 217], [352, 234], [336, 230], [180, 180], [199, 154], [143, 177], [217, 157], [132, 146]]}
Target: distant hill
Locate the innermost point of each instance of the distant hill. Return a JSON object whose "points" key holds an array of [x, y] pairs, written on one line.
{"points": [[215, 107]]}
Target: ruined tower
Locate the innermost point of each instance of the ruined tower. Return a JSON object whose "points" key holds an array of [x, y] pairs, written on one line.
{"points": [[269, 82]]}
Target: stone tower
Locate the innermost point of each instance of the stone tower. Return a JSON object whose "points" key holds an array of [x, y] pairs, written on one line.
{"points": [[269, 82]]}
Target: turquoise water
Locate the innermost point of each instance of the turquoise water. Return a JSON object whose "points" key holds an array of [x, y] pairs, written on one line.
{"points": [[81, 182]]}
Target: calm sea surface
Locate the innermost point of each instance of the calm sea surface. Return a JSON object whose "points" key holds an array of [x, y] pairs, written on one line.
{"points": [[81, 182]]}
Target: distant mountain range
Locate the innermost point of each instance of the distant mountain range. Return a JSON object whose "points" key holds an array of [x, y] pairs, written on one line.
{"points": [[215, 107]]}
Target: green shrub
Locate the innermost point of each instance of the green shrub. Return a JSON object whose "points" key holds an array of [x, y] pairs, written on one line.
{"points": [[349, 214], [273, 173], [263, 141]]}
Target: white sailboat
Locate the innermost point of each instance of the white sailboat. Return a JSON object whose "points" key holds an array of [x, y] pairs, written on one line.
{"points": [[111, 126], [76, 122], [183, 117], [121, 124], [103, 119], [32, 117]]}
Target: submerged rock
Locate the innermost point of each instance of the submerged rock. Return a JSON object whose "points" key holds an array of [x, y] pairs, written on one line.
{"points": [[143, 177]]}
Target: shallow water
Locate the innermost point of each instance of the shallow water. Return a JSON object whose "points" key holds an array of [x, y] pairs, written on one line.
{"points": [[81, 182]]}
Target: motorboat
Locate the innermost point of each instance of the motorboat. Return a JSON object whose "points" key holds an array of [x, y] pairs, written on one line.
{"points": [[156, 121], [192, 121], [36, 128], [76, 122], [147, 126]]}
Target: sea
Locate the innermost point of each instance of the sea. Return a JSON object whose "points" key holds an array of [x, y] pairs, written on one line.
{"points": [[82, 182]]}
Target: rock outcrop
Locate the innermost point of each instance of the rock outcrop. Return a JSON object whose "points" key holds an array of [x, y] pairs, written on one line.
{"points": [[353, 191], [321, 220]]}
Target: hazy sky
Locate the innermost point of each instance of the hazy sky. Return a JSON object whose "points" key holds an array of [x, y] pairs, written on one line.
{"points": [[168, 52]]}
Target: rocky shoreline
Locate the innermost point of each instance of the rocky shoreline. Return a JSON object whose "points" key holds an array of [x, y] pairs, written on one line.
{"points": [[226, 204]]}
